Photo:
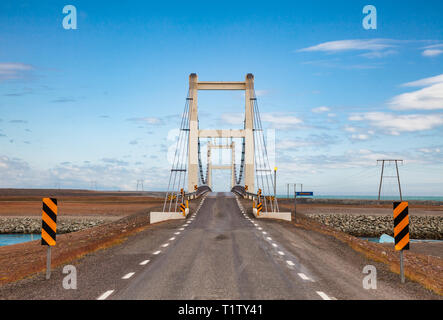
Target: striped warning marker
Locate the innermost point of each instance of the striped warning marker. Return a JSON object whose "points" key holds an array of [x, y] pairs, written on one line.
{"points": [[401, 225], [183, 208], [259, 208], [49, 221]]}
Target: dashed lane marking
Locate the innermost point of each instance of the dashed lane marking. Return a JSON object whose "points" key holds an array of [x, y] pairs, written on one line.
{"points": [[157, 252], [289, 262], [144, 262], [323, 295], [105, 295], [172, 239], [269, 238], [281, 253], [128, 275], [303, 276], [165, 245]]}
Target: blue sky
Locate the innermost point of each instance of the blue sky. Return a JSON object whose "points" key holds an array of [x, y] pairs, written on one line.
{"points": [[97, 103]]}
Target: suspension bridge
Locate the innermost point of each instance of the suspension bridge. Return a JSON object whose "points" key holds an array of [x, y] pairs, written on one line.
{"points": [[219, 250], [251, 178]]}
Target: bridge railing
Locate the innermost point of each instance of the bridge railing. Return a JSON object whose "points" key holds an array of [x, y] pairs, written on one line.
{"points": [[198, 193]]}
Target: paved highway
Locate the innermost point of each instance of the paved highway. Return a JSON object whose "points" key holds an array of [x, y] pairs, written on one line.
{"points": [[219, 252]]}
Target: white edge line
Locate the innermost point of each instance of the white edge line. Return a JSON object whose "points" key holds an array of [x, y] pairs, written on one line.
{"points": [[105, 295], [157, 252], [289, 262], [144, 262]]}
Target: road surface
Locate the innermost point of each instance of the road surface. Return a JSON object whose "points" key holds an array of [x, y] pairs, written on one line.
{"points": [[219, 252]]}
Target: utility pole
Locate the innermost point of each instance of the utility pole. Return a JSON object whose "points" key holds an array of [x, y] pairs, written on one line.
{"points": [[395, 161]]}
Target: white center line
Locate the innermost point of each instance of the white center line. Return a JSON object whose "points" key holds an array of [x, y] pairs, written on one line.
{"points": [[105, 295], [303, 276], [289, 262], [144, 262], [157, 252], [165, 245], [323, 295], [127, 276]]}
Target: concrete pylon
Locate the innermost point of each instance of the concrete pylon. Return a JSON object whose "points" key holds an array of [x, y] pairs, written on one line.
{"points": [[249, 135], [195, 133], [231, 167]]}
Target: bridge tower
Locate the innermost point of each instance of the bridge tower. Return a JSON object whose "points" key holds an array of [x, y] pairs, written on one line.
{"points": [[195, 132]]}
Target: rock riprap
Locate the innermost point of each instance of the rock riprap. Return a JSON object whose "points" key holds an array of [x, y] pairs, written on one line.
{"points": [[34, 225], [420, 227]]}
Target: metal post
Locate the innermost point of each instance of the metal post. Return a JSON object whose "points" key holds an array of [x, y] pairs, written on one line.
{"points": [[398, 179], [402, 271], [48, 263], [295, 205], [275, 183], [288, 189], [381, 178]]}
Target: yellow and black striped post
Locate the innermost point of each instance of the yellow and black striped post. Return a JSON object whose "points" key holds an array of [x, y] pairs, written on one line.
{"points": [[49, 229], [401, 231], [49, 221], [259, 208], [183, 209]]}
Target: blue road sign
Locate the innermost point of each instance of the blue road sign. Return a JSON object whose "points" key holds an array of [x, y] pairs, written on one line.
{"points": [[305, 193]]}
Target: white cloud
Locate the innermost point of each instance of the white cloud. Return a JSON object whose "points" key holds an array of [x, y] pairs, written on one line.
{"points": [[425, 82], [360, 136], [432, 52], [428, 98], [148, 120], [321, 109], [292, 144], [281, 120], [394, 124], [430, 150], [350, 129], [14, 70], [233, 118], [379, 54], [347, 45]]}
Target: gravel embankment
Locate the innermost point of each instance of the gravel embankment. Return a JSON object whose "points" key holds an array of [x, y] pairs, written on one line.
{"points": [[420, 227], [34, 225]]}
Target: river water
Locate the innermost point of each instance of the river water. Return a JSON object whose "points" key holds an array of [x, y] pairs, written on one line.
{"points": [[8, 239]]}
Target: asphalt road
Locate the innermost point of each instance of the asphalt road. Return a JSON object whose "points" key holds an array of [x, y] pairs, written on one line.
{"points": [[221, 253]]}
